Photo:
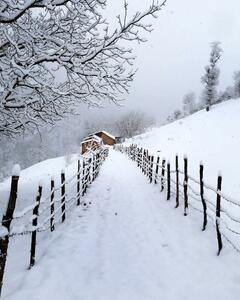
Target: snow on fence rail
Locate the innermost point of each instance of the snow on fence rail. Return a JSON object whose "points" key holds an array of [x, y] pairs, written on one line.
{"points": [[211, 202], [49, 210]]}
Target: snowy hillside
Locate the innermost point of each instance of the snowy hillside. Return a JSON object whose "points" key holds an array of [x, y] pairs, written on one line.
{"points": [[30, 178], [127, 242], [212, 137]]}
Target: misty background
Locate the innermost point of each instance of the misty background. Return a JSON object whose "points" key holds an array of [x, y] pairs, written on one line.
{"points": [[169, 65]]}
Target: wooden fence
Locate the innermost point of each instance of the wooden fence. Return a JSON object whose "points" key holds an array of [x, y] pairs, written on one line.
{"points": [[49, 211], [211, 202]]}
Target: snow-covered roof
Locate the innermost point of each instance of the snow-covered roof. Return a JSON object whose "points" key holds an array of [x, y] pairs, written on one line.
{"points": [[107, 133], [91, 138]]}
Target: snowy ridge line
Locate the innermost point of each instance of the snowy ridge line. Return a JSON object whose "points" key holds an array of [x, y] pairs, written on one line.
{"points": [[181, 187], [86, 177]]}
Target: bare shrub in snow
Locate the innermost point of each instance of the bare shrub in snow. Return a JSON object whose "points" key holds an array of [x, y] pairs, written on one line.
{"points": [[133, 123]]}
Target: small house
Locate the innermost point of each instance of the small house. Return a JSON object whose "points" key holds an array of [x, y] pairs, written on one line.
{"points": [[106, 137]]}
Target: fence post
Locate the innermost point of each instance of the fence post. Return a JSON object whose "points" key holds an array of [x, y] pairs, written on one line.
{"points": [[6, 221], [91, 169], [151, 169], [144, 162], [34, 224], [185, 185], [63, 196], [168, 181], [86, 174], [83, 177], [202, 197], [218, 213], [177, 181], [52, 226], [163, 174], [138, 156], [96, 165], [78, 183], [157, 169]]}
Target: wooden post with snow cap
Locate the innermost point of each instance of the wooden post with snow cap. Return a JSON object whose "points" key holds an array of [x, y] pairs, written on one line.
{"points": [[63, 195], [218, 212], [185, 184], [168, 181], [52, 226], [163, 174], [34, 224], [143, 161], [83, 177], [148, 166], [202, 197], [78, 182], [177, 181], [151, 168], [91, 169], [7, 220], [157, 170], [140, 158]]}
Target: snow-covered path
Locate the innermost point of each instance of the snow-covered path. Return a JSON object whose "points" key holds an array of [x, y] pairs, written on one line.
{"points": [[130, 243]]}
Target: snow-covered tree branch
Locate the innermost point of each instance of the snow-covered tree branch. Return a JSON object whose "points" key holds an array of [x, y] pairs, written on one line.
{"points": [[60, 56]]}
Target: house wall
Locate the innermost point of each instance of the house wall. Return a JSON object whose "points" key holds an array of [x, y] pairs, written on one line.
{"points": [[107, 140]]}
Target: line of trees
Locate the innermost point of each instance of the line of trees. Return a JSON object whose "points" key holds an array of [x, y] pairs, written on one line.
{"points": [[210, 94], [127, 125]]}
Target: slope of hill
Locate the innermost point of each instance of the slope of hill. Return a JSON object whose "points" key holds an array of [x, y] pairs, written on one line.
{"points": [[30, 178], [213, 138]]}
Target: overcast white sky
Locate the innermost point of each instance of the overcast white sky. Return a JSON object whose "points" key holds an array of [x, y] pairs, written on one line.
{"points": [[172, 61]]}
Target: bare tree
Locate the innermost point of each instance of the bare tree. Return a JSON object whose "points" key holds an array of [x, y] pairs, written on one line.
{"points": [[133, 123], [210, 79], [63, 55]]}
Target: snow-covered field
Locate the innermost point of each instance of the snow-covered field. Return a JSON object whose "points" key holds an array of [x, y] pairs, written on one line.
{"points": [[30, 178], [129, 244], [213, 138]]}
